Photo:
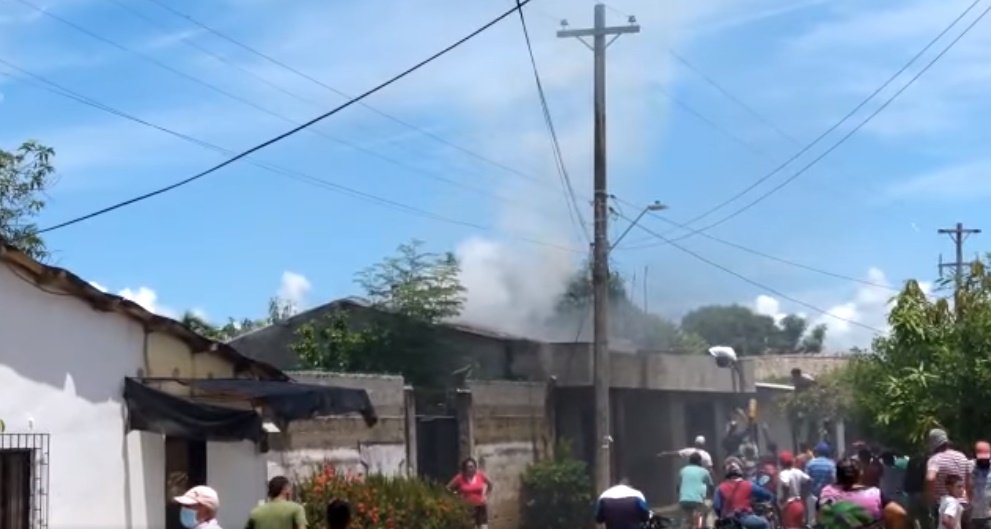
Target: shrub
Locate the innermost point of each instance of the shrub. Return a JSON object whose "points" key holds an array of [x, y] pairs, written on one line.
{"points": [[557, 494], [380, 502]]}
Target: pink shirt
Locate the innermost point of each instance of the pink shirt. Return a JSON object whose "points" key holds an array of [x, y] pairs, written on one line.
{"points": [[472, 490]]}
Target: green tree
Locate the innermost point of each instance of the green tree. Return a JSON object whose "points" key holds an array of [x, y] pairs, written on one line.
{"points": [[420, 285], [278, 310], [933, 368], [25, 174], [413, 290], [749, 333]]}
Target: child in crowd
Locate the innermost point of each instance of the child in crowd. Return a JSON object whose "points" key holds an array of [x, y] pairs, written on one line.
{"points": [[950, 508]]}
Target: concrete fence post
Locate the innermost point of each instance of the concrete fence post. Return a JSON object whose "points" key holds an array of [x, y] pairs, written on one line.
{"points": [[466, 423], [409, 417]]}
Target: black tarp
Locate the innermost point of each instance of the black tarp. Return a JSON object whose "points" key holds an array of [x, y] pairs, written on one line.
{"points": [[290, 401], [151, 410]]}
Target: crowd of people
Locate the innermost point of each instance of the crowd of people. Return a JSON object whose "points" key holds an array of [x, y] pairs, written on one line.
{"points": [[863, 488], [199, 506]]}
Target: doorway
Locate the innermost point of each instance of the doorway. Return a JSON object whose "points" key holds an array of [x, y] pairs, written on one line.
{"points": [[185, 467]]}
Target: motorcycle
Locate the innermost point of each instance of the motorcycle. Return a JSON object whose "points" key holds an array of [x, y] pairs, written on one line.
{"points": [[657, 521]]}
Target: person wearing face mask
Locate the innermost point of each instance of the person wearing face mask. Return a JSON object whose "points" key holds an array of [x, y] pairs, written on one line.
{"points": [[981, 487], [199, 508]]}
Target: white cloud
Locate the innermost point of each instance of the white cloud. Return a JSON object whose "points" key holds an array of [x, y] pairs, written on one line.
{"points": [[868, 305], [293, 289], [144, 297], [767, 306]]}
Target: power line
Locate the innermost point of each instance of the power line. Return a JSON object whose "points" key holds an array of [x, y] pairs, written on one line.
{"points": [[572, 202], [762, 286], [729, 95], [55, 88], [292, 131], [782, 260], [842, 139], [268, 58], [230, 95], [845, 118]]}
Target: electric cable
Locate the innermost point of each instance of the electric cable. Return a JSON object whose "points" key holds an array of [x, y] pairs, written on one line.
{"points": [[51, 86], [842, 139], [572, 202], [303, 75], [782, 260], [746, 279], [247, 102], [288, 133]]}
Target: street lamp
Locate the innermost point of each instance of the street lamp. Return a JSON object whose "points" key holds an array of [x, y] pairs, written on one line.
{"points": [[656, 206]]}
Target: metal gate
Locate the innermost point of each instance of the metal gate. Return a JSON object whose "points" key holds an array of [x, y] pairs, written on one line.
{"points": [[24, 481], [436, 435], [437, 447]]}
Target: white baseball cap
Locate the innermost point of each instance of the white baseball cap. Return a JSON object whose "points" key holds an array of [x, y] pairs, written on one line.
{"points": [[199, 495], [700, 440]]}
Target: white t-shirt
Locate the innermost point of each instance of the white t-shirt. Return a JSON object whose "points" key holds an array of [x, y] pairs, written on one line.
{"points": [[950, 506], [685, 453], [790, 482]]}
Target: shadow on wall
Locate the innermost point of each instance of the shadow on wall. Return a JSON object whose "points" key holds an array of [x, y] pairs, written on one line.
{"points": [[60, 341]]}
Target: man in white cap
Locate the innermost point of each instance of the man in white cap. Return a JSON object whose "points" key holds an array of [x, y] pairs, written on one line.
{"points": [[199, 508], [687, 452]]}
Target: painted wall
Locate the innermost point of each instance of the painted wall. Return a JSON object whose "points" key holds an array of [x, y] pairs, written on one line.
{"points": [[347, 442], [772, 368], [239, 475], [62, 366], [510, 429], [571, 364]]}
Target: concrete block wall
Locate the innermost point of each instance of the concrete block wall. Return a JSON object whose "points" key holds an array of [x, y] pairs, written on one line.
{"points": [[348, 442], [778, 367], [510, 428]]}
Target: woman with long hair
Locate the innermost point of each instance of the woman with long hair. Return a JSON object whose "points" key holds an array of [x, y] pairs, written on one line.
{"points": [[474, 486], [848, 504]]}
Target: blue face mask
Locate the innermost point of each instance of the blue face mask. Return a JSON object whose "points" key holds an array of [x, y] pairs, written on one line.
{"points": [[188, 518]]}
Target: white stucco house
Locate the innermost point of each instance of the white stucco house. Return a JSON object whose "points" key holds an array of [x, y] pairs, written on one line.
{"points": [[109, 410]]}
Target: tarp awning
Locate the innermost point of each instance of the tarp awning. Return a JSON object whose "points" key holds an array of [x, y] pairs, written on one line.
{"points": [[152, 410], [290, 401]]}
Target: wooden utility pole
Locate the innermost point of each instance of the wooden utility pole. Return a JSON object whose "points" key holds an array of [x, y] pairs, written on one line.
{"points": [[600, 254], [958, 235]]}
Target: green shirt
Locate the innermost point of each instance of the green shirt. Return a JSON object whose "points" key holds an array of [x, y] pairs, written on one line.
{"points": [[693, 484], [277, 514]]}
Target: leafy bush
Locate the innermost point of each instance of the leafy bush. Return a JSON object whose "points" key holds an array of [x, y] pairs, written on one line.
{"points": [[557, 494], [379, 502]]}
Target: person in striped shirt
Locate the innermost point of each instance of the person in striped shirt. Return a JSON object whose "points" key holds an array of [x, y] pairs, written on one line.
{"points": [[945, 462]]}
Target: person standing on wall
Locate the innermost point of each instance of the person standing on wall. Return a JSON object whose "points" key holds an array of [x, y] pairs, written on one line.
{"points": [[474, 486], [279, 512]]}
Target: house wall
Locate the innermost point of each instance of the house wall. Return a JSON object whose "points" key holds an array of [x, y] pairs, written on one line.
{"points": [[509, 429], [347, 442], [771, 368], [571, 364], [239, 475], [62, 366]]}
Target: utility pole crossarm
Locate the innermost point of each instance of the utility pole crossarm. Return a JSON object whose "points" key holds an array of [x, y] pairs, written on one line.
{"points": [[958, 234], [591, 32]]}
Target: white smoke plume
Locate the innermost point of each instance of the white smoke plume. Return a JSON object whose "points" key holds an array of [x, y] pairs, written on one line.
{"points": [[514, 286]]}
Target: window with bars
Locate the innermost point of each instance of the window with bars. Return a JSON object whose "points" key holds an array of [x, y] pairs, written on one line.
{"points": [[24, 481]]}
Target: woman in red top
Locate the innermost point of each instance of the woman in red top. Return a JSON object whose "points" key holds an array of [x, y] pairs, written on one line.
{"points": [[474, 486]]}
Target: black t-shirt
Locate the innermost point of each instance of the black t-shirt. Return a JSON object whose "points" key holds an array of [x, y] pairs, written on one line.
{"points": [[915, 475]]}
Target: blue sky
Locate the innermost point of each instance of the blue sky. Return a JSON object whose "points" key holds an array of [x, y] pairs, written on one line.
{"points": [[224, 245]]}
